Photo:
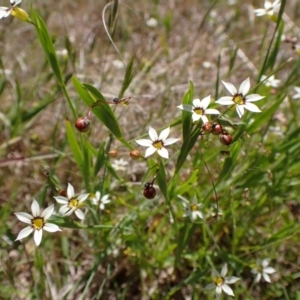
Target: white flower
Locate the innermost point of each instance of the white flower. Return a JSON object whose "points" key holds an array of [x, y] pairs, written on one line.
{"points": [[71, 203], [120, 164], [269, 8], [271, 81], [14, 10], [192, 210], [239, 97], [262, 270], [199, 109], [157, 143], [297, 90], [96, 199], [151, 23], [220, 282], [37, 222]]}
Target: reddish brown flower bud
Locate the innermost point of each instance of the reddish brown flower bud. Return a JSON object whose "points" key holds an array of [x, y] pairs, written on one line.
{"points": [[62, 193], [216, 129], [82, 124], [135, 154], [207, 127], [149, 191], [225, 139], [113, 153]]}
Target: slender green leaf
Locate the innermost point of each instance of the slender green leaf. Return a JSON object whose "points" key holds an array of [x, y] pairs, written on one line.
{"points": [[74, 145]]}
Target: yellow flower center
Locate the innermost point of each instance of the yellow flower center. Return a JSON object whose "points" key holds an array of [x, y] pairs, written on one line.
{"points": [[219, 281], [38, 223], [239, 99], [158, 144], [74, 203], [194, 207], [199, 111]]}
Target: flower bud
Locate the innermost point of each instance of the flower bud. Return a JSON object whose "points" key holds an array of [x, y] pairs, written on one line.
{"points": [[20, 14], [82, 124], [207, 127], [216, 129], [225, 139], [135, 154], [149, 191], [113, 153]]}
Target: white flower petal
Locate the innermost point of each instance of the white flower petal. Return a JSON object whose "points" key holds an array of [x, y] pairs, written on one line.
{"points": [[144, 142], [186, 107], [98, 195], [51, 227], [240, 110], [257, 278], [204, 119], [163, 152], [231, 279], [212, 111], [244, 87], [254, 97], [153, 134], [214, 274], [38, 234], [197, 103], [82, 197], [224, 270], [265, 262], [24, 233], [225, 101], [24, 217], [266, 277], [230, 87], [205, 102], [170, 141], [150, 151], [227, 289], [79, 214], [61, 199], [196, 117], [70, 191], [164, 134], [35, 208], [102, 206], [15, 2], [4, 12], [252, 107], [65, 209], [48, 212], [260, 12], [218, 292], [269, 270]]}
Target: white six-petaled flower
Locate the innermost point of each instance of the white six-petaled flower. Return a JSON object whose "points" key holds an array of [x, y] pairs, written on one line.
{"points": [[220, 282], [71, 203], [192, 210], [98, 200], [157, 143], [271, 81], [120, 164], [200, 109], [239, 98], [269, 8], [262, 270], [37, 221]]}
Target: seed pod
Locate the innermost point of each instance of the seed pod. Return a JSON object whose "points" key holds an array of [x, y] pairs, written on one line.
{"points": [[135, 154], [149, 191], [225, 139], [216, 129], [207, 127], [113, 153], [82, 124]]}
